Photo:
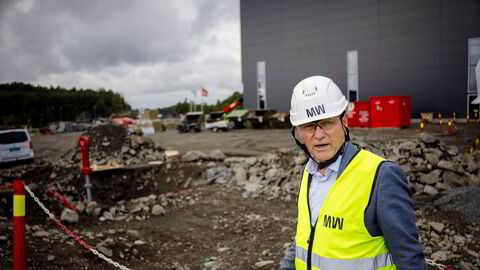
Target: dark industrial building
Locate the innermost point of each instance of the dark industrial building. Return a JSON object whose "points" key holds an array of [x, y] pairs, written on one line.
{"points": [[426, 49]]}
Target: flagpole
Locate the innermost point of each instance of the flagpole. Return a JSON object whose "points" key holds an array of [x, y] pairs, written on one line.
{"points": [[192, 102]]}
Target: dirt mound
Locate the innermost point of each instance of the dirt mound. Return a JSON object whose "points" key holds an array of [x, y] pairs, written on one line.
{"points": [[107, 138]]}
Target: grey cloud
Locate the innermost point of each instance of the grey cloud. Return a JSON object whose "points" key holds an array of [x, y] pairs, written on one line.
{"points": [[58, 35], [83, 42]]}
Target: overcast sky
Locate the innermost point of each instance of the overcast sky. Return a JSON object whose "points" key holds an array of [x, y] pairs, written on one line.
{"points": [[154, 52]]}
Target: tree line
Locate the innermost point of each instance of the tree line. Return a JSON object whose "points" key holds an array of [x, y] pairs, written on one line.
{"points": [[25, 104]]}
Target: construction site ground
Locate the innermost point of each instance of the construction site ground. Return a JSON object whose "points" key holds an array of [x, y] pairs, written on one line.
{"points": [[217, 229]]}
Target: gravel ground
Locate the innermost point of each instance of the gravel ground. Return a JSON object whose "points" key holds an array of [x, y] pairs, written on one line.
{"points": [[205, 226]]}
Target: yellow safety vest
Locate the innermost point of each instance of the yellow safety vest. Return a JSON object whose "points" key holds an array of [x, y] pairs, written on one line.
{"points": [[339, 239]]}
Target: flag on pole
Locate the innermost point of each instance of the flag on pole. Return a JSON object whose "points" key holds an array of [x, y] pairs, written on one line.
{"points": [[204, 92], [194, 93]]}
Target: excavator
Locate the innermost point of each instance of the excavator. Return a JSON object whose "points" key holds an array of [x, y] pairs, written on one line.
{"points": [[232, 106]]}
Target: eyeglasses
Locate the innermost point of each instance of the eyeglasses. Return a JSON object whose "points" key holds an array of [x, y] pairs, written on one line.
{"points": [[324, 124]]}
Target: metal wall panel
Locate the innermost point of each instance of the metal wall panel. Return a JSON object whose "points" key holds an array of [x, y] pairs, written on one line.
{"points": [[409, 47]]}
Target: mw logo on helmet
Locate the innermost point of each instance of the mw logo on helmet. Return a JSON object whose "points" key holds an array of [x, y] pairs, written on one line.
{"points": [[314, 111]]}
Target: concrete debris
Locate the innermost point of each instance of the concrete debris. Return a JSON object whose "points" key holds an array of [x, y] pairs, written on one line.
{"points": [[69, 216], [111, 143], [213, 263], [104, 250], [158, 210], [42, 234], [300, 160], [436, 226], [432, 158], [273, 174], [220, 175], [139, 243], [450, 166], [252, 190], [171, 154], [261, 264], [440, 256], [427, 138], [92, 208], [408, 145], [430, 190], [452, 179], [240, 175], [442, 242], [217, 155], [195, 155], [222, 249], [430, 178], [108, 216], [133, 233]]}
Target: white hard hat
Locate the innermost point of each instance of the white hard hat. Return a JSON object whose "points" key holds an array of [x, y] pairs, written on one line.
{"points": [[316, 98]]}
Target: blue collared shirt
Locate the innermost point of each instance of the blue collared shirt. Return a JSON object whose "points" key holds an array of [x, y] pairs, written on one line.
{"points": [[320, 185]]}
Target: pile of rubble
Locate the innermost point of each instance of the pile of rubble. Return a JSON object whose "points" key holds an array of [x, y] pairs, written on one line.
{"points": [[141, 208], [112, 145], [138, 209], [430, 166], [444, 242]]}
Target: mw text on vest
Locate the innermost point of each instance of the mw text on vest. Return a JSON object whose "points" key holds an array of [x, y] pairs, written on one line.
{"points": [[314, 111], [333, 222]]}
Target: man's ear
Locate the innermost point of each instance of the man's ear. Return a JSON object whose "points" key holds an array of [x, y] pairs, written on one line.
{"points": [[345, 120]]}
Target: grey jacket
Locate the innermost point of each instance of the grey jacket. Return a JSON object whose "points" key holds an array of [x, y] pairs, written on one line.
{"points": [[390, 213]]}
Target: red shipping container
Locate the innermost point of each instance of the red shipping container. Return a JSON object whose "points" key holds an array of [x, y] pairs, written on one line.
{"points": [[360, 114], [391, 111]]}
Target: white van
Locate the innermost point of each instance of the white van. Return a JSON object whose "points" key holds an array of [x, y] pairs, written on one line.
{"points": [[15, 145]]}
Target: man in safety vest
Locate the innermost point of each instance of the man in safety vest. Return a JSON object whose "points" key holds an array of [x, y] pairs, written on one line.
{"points": [[355, 209]]}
